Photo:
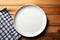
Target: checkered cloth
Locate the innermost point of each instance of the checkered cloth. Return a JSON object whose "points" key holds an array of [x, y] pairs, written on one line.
{"points": [[7, 31]]}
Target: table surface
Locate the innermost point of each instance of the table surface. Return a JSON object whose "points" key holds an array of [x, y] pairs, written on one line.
{"points": [[52, 10]]}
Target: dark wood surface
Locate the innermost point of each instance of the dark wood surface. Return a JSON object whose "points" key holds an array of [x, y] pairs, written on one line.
{"points": [[52, 10]]}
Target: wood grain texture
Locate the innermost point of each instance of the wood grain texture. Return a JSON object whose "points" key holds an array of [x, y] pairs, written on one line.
{"points": [[50, 7], [23, 2], [44, 36]]}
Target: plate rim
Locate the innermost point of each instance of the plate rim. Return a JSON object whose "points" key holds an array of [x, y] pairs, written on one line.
{"points": [[23, 7]]}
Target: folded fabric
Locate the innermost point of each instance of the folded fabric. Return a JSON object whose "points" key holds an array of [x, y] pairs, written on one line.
{"points": [[7, 31]]}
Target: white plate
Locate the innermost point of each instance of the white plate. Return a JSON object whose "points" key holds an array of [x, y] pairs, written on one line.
{"points": [[30, 20]]}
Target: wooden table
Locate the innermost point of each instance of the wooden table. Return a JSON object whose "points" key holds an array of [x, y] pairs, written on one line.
{"points": [[52, 10]]}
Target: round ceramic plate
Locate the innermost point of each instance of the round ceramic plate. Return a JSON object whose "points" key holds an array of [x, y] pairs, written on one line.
{"points": [[30, 20]]}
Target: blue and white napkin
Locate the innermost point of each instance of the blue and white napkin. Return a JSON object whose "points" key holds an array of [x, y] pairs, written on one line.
{"points": [[7, 31]]}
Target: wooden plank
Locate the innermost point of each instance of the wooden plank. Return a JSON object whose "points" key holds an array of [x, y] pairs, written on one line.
{"points": [[53, 19], [11, 8], [45, 36], [23, 2], [52, 29], [42, 38], [52, 9], [46, 12]]}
